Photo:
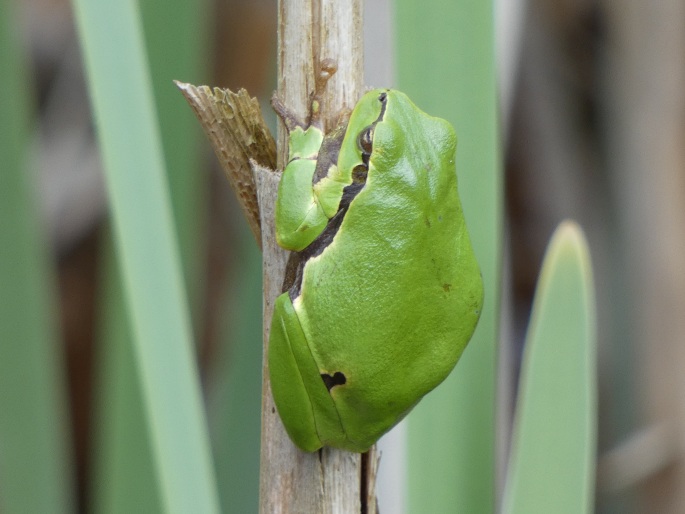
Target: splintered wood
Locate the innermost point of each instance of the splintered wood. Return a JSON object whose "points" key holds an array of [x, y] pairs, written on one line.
{"points": [[236, 129]]}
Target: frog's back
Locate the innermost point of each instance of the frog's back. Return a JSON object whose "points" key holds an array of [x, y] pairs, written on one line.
{"points": [[402, 288]]}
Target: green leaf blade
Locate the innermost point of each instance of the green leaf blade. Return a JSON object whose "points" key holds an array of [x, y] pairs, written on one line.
{"points": [[146, 245], [125, 478], [552, 460], [446, 64]]}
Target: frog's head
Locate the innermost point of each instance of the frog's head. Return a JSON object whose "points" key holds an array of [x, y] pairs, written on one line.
{"points": [[386, 127], [357, 145]]}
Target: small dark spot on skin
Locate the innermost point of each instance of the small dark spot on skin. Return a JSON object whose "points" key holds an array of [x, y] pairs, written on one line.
{"points": [[333, 380], [447, 287]]}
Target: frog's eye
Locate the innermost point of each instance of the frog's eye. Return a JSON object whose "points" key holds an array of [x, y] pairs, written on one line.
{"points": [[365, 140]]}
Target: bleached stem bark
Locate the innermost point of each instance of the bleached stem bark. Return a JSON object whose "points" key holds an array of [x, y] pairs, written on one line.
{"points": [[328, 481]]}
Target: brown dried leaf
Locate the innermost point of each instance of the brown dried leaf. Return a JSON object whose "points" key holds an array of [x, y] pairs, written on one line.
{"points": [[235, 127]]}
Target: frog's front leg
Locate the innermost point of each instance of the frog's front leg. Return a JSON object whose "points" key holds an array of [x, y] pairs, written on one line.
{"points": [[300, 217]]}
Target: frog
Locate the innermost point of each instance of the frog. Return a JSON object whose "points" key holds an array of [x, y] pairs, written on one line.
{"points": [[382, 291]]}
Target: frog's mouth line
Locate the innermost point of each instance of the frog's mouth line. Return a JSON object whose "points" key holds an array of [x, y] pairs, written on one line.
{"points": [[294, 272]]}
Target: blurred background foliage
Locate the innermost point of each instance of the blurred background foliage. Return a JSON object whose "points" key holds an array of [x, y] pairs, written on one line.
{"points": [[592, 115]]}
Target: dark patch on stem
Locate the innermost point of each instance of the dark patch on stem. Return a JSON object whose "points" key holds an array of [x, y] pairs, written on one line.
{"points": [[364, 486]]}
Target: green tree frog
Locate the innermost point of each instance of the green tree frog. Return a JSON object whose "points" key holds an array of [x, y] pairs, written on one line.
{"points": [[382, 290]]}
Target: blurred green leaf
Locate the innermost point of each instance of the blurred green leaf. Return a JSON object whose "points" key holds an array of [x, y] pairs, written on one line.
{"points": [[552, 464], [177, 36], [236, 393], [124, 476], [35, 465], [445, 63], [146, 245]]}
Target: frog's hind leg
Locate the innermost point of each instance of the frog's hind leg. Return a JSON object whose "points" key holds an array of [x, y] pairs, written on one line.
{"points": [[300, 394]]}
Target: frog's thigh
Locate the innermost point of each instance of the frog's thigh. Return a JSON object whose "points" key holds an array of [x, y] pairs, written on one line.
{"points": [[303, 401], [287, 384]]}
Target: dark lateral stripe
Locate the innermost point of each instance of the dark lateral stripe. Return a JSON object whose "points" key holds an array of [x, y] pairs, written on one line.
{"points": [[299, 259]]}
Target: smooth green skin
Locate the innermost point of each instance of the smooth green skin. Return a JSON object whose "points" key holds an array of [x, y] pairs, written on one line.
{"points": [[394, 298]]}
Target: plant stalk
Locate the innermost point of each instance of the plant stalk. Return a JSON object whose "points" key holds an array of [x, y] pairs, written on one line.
{"points": [[329, 480]]}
